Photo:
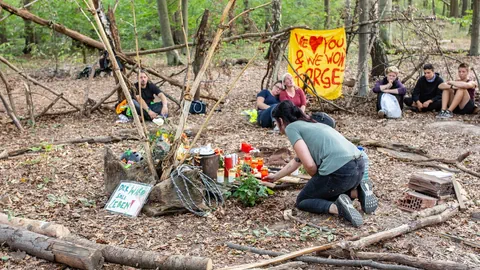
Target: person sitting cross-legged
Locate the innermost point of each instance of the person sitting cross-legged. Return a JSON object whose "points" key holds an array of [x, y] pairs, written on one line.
{"points": [[149, 91], [458, 96], [426, 95]]}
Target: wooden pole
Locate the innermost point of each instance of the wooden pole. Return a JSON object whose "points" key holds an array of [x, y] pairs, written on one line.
{"points": [[125, 90], [30, 108], [11, 113], [9, 93], [51, 249]]}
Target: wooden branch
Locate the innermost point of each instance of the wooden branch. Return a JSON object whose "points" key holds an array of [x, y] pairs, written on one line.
{"points": [[116, 69], [432, 165], [461, 167], [393, 146], [11, 113], [100, 139], [247, 11], [51, 249], [25, 6], [30, 107], [84, 110], [9, 93], [417, 67], [312, 259], [400, 230], [430, 18], [416, 262], [49, 106], [434, 210], [458, 194], [283, 257], [46, 228], [6, 62], [461, 240], [301, 221]]}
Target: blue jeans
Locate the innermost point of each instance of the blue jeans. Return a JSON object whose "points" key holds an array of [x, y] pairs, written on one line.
{"points": [[264, 117], [322, 190]]}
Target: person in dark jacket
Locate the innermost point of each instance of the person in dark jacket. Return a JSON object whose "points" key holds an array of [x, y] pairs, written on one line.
{"points": [[392, 85], [426, 95]]}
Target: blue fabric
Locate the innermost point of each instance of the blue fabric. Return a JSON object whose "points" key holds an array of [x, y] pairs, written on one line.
{"points": [[269, 98], [322, 190], [264, 117]]}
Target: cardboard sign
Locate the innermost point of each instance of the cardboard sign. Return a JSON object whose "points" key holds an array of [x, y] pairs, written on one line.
{"points": [[128, 198], [321, 54]]}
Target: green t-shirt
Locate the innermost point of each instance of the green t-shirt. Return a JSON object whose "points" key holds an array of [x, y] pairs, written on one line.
{"points": [[328, 148]]}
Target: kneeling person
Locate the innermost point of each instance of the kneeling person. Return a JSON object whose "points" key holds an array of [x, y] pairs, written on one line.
{"points": [[458, 96], [149, 91]]}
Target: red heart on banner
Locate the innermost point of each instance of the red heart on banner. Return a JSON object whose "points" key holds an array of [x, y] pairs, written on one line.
{"points": [[315, 42]]}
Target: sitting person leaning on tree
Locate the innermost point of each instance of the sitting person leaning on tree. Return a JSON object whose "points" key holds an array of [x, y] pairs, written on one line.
{"points": [[266, 101], [149, 91], [391, 85], [426, 95], [458, 96]]}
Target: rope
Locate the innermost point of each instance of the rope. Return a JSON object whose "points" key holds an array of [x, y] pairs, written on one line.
{"points": [[211, 194]]}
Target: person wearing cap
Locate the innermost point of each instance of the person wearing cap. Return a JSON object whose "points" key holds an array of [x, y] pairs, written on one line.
{"points": [[149, 91]]}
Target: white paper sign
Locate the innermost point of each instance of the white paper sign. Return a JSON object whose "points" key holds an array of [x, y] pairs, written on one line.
{"points": [[128, 198]]}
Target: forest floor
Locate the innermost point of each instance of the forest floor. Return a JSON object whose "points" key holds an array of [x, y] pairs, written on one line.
{"points": [[65, 185]]}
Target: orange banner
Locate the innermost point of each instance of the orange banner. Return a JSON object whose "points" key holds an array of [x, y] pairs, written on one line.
{"points": [[321, 54]]}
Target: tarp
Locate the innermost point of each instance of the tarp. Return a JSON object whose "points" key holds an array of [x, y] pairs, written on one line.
{"points": [[321, 54]]}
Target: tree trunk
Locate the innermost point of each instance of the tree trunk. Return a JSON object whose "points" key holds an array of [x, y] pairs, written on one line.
{"points": [[9, 93], [379, 58], [385, 10], [433, 8], [177, 31], [232, 29], [246, 17], [348, 16], [326, 4], [465, 7], [454, 9], [3, 29], [29, 33], [167, 38], [185, 21], [201, 49], [474, 48], [51, 249], [363, 48]]}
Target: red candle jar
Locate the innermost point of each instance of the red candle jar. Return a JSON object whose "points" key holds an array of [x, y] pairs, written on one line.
{"points": [[264, 172]]}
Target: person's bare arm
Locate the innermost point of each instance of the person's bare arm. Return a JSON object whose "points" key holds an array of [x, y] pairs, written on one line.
{"points": [[144, 106], [391, 91], [163, 98], [444, 86], [261, 103], [463, 85], [303, 108]]}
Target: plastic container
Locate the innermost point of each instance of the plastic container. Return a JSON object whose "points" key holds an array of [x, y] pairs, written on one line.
{"points": [[366, 161]]}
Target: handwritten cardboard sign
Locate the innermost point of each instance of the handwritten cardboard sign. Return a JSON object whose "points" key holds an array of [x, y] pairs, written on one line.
{"points": [[321, 54], [128, 198]]}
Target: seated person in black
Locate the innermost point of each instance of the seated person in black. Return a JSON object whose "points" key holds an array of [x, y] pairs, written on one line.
{"points": [[266, 101], [426, 95], [149, 91]]}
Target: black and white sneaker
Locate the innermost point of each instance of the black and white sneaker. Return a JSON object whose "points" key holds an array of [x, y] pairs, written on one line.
{"points": [[368, 200], [347, 211]]}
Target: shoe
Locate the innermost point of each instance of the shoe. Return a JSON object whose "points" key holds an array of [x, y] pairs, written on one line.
{"points": [[368, 200], [441, 114], [347, 211], [381, 113], [448, 114]]}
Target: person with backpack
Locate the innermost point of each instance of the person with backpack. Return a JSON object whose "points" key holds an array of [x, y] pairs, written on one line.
{"points": [[390, 92], [335, 164]]}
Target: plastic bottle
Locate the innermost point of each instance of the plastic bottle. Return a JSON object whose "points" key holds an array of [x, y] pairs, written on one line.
{"points": [[366, 161]]}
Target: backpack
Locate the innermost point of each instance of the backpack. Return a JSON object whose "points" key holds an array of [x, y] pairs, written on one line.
{"points": [[198, 107], [324, 118]]}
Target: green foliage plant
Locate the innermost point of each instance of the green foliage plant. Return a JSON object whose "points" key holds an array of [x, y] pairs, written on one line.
{"points": [[251, 192]]}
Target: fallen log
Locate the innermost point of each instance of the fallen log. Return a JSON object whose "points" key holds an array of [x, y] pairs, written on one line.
{"points": [[421, 263], [394, 146], [51, 249], [112, 254], [312, 259], [100, 139], [41, 227]]}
